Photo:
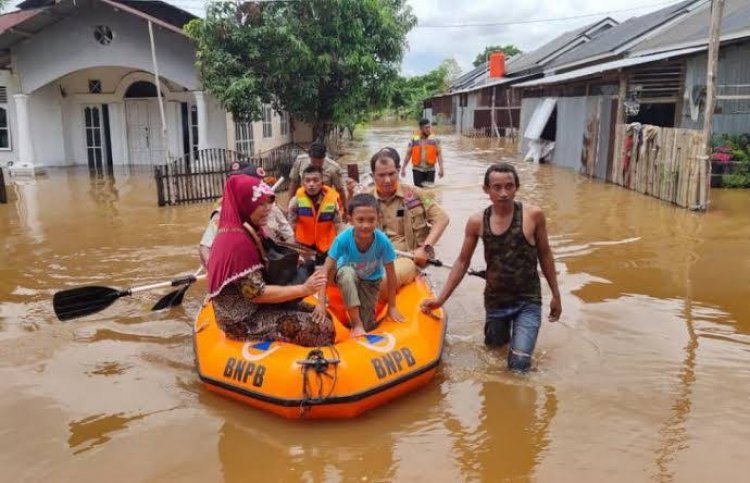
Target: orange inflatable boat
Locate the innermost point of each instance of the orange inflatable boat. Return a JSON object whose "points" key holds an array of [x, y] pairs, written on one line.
{"points": [[338, 381]]}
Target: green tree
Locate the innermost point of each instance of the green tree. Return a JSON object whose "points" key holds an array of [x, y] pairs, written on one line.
{"points": [[326, 62], [410, 92], [509, 51]]}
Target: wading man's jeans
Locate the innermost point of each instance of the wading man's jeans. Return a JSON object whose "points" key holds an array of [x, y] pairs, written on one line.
{"points": [[518, 324]]}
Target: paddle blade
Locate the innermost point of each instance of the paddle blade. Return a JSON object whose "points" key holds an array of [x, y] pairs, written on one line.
{"points": [[172, 299], [81, 301]]}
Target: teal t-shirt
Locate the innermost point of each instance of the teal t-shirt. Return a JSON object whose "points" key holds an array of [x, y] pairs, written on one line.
{"points": [[368, 264]]}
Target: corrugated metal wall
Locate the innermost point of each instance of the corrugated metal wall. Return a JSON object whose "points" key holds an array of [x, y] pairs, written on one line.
{"points": [[571, 118], [528, 106], [734, 68], [466, 113]]}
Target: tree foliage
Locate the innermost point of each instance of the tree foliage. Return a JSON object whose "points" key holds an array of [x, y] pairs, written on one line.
{"points": [[326, 62], [509, 51], [410, 92]]}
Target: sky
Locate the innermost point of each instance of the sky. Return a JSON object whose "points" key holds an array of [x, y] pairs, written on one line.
{"points": [[431, 42], [430, 46]]}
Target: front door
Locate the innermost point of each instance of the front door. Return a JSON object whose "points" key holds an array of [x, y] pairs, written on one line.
{"points": [[145, 141]]}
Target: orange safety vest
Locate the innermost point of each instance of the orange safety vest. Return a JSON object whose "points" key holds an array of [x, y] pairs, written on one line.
{"points": [[431, 147], [316, 228]]}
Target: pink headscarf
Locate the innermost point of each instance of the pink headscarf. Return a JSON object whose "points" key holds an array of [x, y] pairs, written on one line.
{"points": [[234, 253]]}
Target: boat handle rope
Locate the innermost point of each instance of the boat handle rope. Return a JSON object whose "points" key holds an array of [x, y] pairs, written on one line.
{"points": [[317, 362]]}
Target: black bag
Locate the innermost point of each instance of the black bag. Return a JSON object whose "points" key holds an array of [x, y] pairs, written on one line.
{"points": [[282, 265]]}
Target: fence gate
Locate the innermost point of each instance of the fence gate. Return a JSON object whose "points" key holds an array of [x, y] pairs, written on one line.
{"points": [[200, 177]]}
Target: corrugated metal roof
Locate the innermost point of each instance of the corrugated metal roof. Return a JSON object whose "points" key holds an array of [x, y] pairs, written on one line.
{"points": [[693, 30], [531, 60], [631, 29], [489, 83], [478, 77], [607, 66], [467, 79]]}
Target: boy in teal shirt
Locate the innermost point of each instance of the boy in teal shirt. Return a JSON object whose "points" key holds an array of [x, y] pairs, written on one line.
{"points": [[362, 254]]}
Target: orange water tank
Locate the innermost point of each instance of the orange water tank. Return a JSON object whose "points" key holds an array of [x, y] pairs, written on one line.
{"points": [[497, 65]]}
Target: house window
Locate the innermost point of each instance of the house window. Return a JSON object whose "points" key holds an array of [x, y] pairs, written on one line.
{"points": [[95, 86], [284, 123], [243, 138], [267, 120], [4, 126], [193, 129], [94, 144], [463, 100]]}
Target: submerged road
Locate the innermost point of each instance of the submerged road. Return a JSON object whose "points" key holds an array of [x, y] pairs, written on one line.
{"points": [[644, 378]]}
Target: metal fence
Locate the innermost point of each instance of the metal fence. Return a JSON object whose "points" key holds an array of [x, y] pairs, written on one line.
{"points": [[200, 177]]}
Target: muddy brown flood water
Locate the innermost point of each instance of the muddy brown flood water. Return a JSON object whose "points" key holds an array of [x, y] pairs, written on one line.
{"points": [[646, 378]]}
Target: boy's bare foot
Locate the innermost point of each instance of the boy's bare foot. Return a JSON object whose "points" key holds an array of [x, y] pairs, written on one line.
{"points": [[358, 331]]}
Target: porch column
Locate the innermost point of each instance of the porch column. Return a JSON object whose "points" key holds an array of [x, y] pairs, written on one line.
{"points": [[200, 104], [25, 146]]}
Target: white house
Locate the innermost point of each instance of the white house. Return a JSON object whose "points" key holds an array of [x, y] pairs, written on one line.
{"points": [[77, 87]]}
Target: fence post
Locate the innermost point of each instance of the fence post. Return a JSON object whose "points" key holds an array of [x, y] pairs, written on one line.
{"points": [[3, 195], [159, 188]]}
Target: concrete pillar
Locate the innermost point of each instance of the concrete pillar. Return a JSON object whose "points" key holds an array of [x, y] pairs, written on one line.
{"points": [[200, 104], [26, 158]]}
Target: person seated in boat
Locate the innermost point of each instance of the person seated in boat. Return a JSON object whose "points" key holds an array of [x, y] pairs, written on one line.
{"points": [[361, 255], [249, 301], [314, 213], [277, 227], [411, 219], [332, 173]]}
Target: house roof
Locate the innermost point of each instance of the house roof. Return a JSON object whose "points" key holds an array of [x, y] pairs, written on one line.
{"points": [[610, 42], [479, 77], [693, 30], [53, 11], [608, 66], [535, 59], [12, 19], [155, 8], [527, 64], [468, 79]]}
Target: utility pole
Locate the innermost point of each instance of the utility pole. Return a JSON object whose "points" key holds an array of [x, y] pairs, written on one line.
{"points": [[717, 11]]}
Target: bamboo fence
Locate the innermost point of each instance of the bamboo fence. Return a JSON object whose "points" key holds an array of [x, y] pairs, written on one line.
{"points": [[665, 163]]}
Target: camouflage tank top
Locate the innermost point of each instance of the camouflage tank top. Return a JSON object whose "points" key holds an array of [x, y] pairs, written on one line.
{"points": [[512, 274]]}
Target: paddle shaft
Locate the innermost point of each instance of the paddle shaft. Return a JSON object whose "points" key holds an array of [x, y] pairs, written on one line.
{"points": [[439, 263], [187, 279]]}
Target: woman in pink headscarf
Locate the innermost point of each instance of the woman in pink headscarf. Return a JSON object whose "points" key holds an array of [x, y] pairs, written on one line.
{"points": [[246, 307]]}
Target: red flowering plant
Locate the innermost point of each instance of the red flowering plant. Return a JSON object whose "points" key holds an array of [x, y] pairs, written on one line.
{"points": [[721, 154]]}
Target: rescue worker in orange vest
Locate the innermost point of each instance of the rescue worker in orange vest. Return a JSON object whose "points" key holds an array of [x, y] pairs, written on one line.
{"points": [[314, 213], [424, 153]]}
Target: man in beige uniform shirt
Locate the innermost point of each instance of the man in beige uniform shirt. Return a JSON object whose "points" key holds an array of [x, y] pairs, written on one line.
{"points": [[411, 219]]}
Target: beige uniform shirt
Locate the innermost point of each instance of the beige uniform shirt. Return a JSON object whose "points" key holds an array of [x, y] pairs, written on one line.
{"points": [[408, 215], [333, 174]]}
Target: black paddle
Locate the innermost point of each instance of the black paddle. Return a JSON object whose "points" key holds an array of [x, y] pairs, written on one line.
{"points": [[82, 301], [174, 298]]}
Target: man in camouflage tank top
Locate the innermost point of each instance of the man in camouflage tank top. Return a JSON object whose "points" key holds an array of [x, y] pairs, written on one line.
{"points": [[514, 236]]}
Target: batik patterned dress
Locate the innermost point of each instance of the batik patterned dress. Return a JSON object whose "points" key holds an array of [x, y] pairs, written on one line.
{"points": [[242, 319]]}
